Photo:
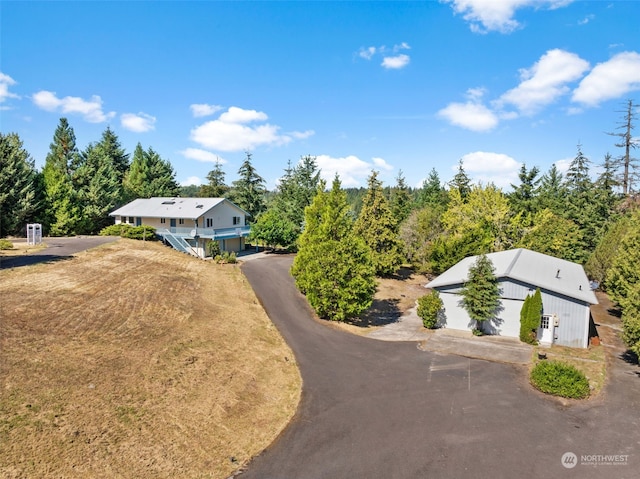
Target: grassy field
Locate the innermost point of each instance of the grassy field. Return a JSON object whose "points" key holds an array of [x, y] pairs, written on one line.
{"points": [[133, 360]]}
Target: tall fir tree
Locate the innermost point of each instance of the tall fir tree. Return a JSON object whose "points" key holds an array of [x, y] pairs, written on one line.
{"points": [[524, 197], [461, 182], [149, 175], [481, 293], [216, 186], [552, 192], [580, 203], [624, 273], [432, 193], [61, 203], [249, 189], [110, 147], [333, 266], [377, 225], [401, 201], [18, 189], [98, 188]]}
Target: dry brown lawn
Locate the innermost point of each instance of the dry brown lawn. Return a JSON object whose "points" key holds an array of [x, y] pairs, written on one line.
{"points": [[133, 360]]}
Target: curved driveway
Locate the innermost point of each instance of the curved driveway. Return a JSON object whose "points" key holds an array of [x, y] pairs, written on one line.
{"points": [[57, 249], [374, 409]]}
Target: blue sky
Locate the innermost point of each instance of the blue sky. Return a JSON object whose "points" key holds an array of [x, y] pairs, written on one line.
{"points": [[362, 85]]}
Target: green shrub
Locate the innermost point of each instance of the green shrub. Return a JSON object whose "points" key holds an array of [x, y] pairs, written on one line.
{"points": [[559, 379], [142, 232], [115, 230], [429, 306], [213, 249], [125, 230], [5, 244]]}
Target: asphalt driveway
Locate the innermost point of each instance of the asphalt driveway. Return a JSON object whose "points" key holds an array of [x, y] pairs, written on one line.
{"points": [[57, 249], [378, 409]]}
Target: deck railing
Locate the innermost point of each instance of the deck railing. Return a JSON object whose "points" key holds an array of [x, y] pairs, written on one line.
{"points": [[213, 233]]}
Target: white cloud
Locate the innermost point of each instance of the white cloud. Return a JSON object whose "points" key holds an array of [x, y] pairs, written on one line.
{"points": [[545, 81], [90, 110], [397, 62], [202, 155], [5, 82], [391, 59], [381, 164], [239, 115], [586, 19], [192, 180], [233, 131], [471, 115], [352, 170], [563, 165], [139, 123], [497, 15], [611, 79], [367, 53], [203, 109], [488, 167]]}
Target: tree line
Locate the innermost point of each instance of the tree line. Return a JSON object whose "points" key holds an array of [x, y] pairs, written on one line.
{"points": [[76, 190]]}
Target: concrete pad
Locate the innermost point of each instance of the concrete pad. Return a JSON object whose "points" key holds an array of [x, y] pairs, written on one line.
{"points": [[490, 348], [408, 328]]}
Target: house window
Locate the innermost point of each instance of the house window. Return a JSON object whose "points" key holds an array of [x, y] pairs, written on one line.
{"points": [[209, 222], [181, 221], [544, 322], [236, 220], [131, 219], [163, 221]]}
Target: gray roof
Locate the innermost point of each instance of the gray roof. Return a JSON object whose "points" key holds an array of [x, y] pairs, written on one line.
{"points": [[159, 207], [530, 267]]}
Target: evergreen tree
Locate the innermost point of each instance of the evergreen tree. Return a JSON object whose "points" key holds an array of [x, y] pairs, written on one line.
{"points": [[631, 319], [18, 199], [481, 294], [216, 188], [523, 199], [98, 189], [401, 201], [297, 189], [62, 211], [249, 190], [601, 260], [461, 182], [552, 192], [110, 147], [624, 273], [274, 230], [379, 229], [530, 318], [432, 193], [333, 266], [149, 176], [580, 204]]}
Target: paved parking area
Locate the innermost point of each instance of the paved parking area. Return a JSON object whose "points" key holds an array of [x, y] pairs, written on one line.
{"points": [[463, 343]]}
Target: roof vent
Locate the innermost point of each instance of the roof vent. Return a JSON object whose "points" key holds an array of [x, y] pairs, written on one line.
{"points": [[558, 274], [169, 202], [200, 206]]}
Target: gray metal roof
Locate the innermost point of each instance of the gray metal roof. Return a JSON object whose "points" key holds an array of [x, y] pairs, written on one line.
{"points": [[159, 207], [537, 269]]}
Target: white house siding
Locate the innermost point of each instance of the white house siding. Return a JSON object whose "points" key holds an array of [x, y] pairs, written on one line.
{"points": [[456, 317], [573, 319]]}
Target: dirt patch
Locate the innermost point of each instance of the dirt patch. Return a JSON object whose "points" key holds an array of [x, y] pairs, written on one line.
{"points": [[394, 296], [133, 360]]}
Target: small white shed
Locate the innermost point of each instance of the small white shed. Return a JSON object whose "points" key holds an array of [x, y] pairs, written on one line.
{"points": [[566, 296]]}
